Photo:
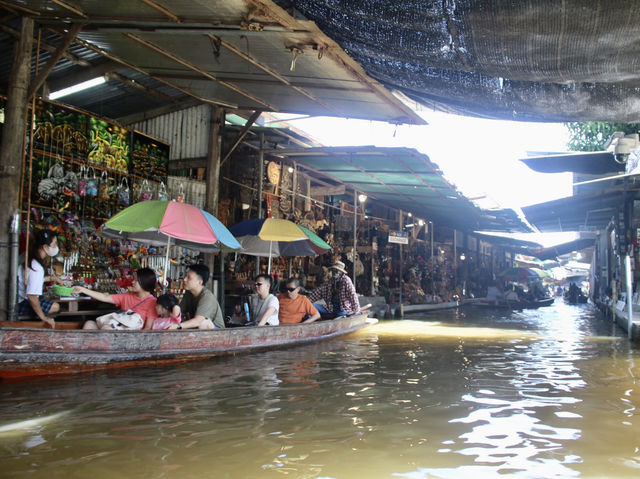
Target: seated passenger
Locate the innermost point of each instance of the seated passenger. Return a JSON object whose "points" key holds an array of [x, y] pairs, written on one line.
{"points": [[168, 311], [30, 299], [294, 307], [238, 316], [338, 293], [199, 306], [511, 295], [264, 306], [140, 300]]}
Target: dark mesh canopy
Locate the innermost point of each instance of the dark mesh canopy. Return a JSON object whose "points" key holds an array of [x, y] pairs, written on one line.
{"points": [[550, 60]]}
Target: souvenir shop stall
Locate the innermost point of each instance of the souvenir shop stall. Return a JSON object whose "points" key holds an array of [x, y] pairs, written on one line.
{"points": [[79, 171]]}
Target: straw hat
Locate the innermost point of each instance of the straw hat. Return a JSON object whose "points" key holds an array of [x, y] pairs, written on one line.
{"points": [[339, 265]]}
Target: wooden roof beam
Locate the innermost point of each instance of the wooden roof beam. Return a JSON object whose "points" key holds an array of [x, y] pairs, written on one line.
{"points": [[49, 48], [209, 101], [138, 86], [41, 77], [271, 73]]}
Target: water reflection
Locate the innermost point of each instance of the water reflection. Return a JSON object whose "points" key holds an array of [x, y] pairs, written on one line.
{"points": [[547, 393]]}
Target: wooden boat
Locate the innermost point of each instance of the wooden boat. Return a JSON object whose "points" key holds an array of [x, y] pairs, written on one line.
{"points": [[420, 307], [28, 349], [505, 304]]}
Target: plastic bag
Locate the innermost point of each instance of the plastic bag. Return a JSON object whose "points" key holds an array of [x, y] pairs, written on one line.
{"points": [[92, 184], [146, 193], [162, 192], [127, 320], [124, 195], [82, 182]]}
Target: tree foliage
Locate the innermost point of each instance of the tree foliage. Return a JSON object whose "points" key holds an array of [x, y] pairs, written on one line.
{"points": [[592, 135]]}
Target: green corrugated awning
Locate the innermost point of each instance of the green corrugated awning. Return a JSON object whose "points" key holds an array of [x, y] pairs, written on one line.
{"points": [[405, 179]]}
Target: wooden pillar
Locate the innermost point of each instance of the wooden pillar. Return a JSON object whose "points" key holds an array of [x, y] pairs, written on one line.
{"points": [[213, 176], [12, 152], [260, 172]]}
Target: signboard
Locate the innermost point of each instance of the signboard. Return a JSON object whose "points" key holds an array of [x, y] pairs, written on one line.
{"points": [[398, 237]]}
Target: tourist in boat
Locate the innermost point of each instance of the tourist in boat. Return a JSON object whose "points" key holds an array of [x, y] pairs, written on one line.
{"points": [[30, 299], [168, 311], [295, 307], [338, 293], [512, 294], [264, 305], [494, 293], [199, 306], [239, 317], [141, 300]]}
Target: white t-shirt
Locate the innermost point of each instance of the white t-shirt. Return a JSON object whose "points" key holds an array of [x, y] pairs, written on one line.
{"points": [[259, 306], [35, 281]]}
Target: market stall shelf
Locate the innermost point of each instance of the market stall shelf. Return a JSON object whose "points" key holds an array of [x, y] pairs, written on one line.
{"points": [[27, 349]]}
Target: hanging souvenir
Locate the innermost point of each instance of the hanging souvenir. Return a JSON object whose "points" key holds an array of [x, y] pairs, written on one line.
{"points": [[92, 185], [123, 192], [146, 193], [162, 192], [82, 182], [180, 197], [49, 187], [103, 191]]}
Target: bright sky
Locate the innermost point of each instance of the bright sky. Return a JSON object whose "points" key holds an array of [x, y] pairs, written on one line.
{"points": [[479, 156]]}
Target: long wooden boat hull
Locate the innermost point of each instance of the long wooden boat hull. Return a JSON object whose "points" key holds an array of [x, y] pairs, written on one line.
{"points": [[28, 350], [517, 305], [411, 308]]}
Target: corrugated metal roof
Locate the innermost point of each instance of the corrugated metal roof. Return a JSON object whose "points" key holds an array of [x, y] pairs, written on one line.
{"points": [[590, 163], [244, 54], [588, 212]]}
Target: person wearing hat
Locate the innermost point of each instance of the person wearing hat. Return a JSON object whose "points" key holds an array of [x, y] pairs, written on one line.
{"points": [[338, 293]]}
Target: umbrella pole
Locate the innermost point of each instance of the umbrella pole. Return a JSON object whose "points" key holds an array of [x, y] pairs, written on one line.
{"points": [[166, 266], [270, 245]]}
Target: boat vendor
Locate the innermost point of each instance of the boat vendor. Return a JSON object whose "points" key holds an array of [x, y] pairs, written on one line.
{"points": [[140, 300], [338, 293], [294, 307], [264, 305], [199, 306], [30, 299]]}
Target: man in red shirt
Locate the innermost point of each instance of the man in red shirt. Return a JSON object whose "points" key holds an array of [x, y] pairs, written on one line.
{"points": [[295, 307]]}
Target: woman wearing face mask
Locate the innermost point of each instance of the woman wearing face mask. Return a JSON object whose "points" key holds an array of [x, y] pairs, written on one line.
{"points": [[30, 300]]}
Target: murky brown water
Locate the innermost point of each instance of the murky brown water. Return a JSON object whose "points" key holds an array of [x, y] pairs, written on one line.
{"points": [[458, 394]]}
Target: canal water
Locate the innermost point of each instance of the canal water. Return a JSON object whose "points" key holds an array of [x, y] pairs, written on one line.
{"points": [[468, 393]]}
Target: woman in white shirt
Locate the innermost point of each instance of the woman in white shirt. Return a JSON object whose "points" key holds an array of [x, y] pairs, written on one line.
{"points": [[264, 306], [30, 300]]}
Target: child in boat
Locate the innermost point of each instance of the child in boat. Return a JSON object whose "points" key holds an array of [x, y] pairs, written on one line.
{"points": [[168, 311]]}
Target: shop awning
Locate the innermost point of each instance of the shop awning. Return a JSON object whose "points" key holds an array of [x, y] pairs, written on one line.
{"points": [[237, 54], [405, 179], [588, 212], [515, 245], [564, 248], [590, 163]]}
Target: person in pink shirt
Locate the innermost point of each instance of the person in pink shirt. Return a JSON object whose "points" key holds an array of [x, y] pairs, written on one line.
{"points": [[168, 312], [140, 300]]}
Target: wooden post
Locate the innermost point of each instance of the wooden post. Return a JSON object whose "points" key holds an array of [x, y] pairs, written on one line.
{"points": [[213, 175], [355, 233], [400, 312], [260, 185], [12, 152]]}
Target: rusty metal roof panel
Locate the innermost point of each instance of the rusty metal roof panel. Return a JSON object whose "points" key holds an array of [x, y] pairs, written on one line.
{"points": [[249, 54]]}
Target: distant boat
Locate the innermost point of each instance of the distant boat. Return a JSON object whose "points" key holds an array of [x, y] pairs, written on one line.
{"points": [[507, 304], [28, 349]]}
